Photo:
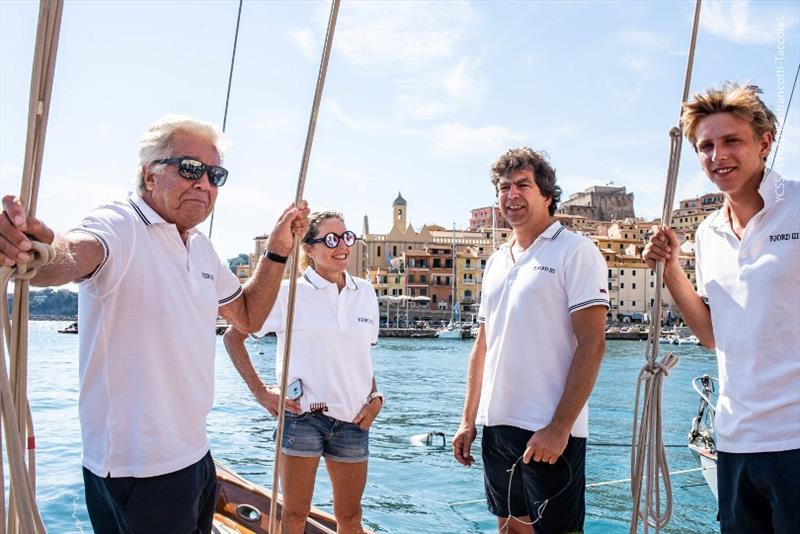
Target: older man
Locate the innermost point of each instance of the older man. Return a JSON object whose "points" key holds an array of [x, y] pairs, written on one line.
{"points": [[537, 354], [151, 286]]}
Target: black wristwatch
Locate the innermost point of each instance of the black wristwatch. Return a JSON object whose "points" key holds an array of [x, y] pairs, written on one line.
{"points": [[274, 256]]}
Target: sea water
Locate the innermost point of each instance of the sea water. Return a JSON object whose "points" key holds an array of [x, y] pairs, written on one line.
{"points": [[412, 487]]}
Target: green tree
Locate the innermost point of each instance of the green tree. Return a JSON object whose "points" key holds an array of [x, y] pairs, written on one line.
{"points": [[241, 259]]}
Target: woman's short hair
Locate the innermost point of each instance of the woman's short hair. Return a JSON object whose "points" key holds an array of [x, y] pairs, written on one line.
{"points": [[523, 157], [156, 143], [741, 100]]}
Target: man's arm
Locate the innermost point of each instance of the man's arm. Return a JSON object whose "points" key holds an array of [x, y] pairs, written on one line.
{"points": [[664, 246], [547, 444], [266, 396], [77, 254], [466, 434], [249, 312]]}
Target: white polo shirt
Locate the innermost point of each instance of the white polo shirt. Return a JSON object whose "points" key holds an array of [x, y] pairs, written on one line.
{"points": [[333, 332], [526, 307], [753, 292], [147, 342]]}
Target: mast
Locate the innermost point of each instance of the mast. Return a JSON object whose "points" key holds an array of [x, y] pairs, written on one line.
{"points": [[453, 278]]}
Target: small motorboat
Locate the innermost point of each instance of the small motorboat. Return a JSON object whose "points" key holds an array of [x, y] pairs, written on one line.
{"points": [[690, 340], [450, 331], [243, 508], [71, 329], [701, 435]]}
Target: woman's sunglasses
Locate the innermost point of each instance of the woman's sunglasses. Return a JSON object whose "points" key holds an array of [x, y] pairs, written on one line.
{"points": [[331, 239], [192, 169]]}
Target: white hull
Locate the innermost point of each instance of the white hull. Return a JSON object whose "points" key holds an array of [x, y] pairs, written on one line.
{"points": [[448, 333]]}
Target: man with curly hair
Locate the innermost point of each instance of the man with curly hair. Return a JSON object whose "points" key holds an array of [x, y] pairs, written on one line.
{"points": [[536, 357]]}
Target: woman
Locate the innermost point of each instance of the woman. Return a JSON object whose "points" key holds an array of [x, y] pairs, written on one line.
{"points": [[330, 376]]}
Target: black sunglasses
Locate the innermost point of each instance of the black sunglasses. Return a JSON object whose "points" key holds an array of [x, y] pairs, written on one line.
{"points": [[331, 239], [193, 169]]}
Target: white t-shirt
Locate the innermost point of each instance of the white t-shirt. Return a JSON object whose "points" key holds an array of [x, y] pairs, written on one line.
{"points": [[333, 332], [147, 342], [525, 307], [753, 292]]}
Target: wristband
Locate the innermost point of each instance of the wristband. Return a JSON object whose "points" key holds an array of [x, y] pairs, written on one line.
{"points": [[277, 258], [375, 395]]}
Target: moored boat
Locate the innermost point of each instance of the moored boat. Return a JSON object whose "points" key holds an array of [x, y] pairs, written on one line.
{"points": [[701, 435]]}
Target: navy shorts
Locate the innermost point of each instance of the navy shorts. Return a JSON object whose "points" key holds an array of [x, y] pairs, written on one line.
{"points": [[314, 434], [759, 492], [534, 482], [182, 501]]}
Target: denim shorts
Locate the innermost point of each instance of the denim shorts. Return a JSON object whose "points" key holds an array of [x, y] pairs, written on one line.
{"points": [[313, 434]]}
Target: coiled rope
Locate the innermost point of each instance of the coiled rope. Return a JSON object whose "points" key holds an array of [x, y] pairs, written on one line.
{"points": [[23, 515], [648, 453], [301, 182]]}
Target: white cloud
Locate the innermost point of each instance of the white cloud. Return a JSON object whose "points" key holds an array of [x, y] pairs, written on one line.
{"points": [[416, 47], [641, 64], [306, 42], [463, 83], [449, 139], [733, 20], [333, 107], [402, 35]]}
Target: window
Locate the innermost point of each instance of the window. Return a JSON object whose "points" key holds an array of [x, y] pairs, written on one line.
{"points": [[423, 279], [633, 272], [621, 272], [379, 251], [410, 278], [652, 284], [634, 285], [609, 286], [609, 273], [633, 304], [437, 263], [622, 303], [622, 285], [394, 251]]}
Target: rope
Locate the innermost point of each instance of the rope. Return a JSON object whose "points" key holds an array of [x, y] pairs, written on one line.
{"points": [[648, 453], [23, 515], [228, 94], [543, 504], [312, 124]]}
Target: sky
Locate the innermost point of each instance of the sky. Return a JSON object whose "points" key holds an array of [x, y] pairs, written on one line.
{"points": [[420, 98]]}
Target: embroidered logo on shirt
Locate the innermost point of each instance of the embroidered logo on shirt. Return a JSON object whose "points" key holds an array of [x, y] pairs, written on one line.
{"points": [[784, 237], [207, 276], [603, 291], [365, 320], [544, 268]]}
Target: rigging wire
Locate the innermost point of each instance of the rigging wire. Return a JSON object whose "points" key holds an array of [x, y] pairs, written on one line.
{"points": [[648, 453], [301, 180], [228, 94]]}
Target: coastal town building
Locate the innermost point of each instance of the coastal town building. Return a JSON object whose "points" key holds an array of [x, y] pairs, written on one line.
{"points": [[435, 273], [487, 217], [600, 203]]}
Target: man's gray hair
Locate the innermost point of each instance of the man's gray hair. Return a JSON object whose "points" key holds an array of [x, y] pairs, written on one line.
{"points": [[156, 143]]}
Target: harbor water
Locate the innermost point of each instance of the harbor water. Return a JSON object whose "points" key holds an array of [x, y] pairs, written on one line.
{"points": [[412, 488]]}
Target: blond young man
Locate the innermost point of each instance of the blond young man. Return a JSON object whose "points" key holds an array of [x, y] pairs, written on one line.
{"points": [[747, 307]]}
